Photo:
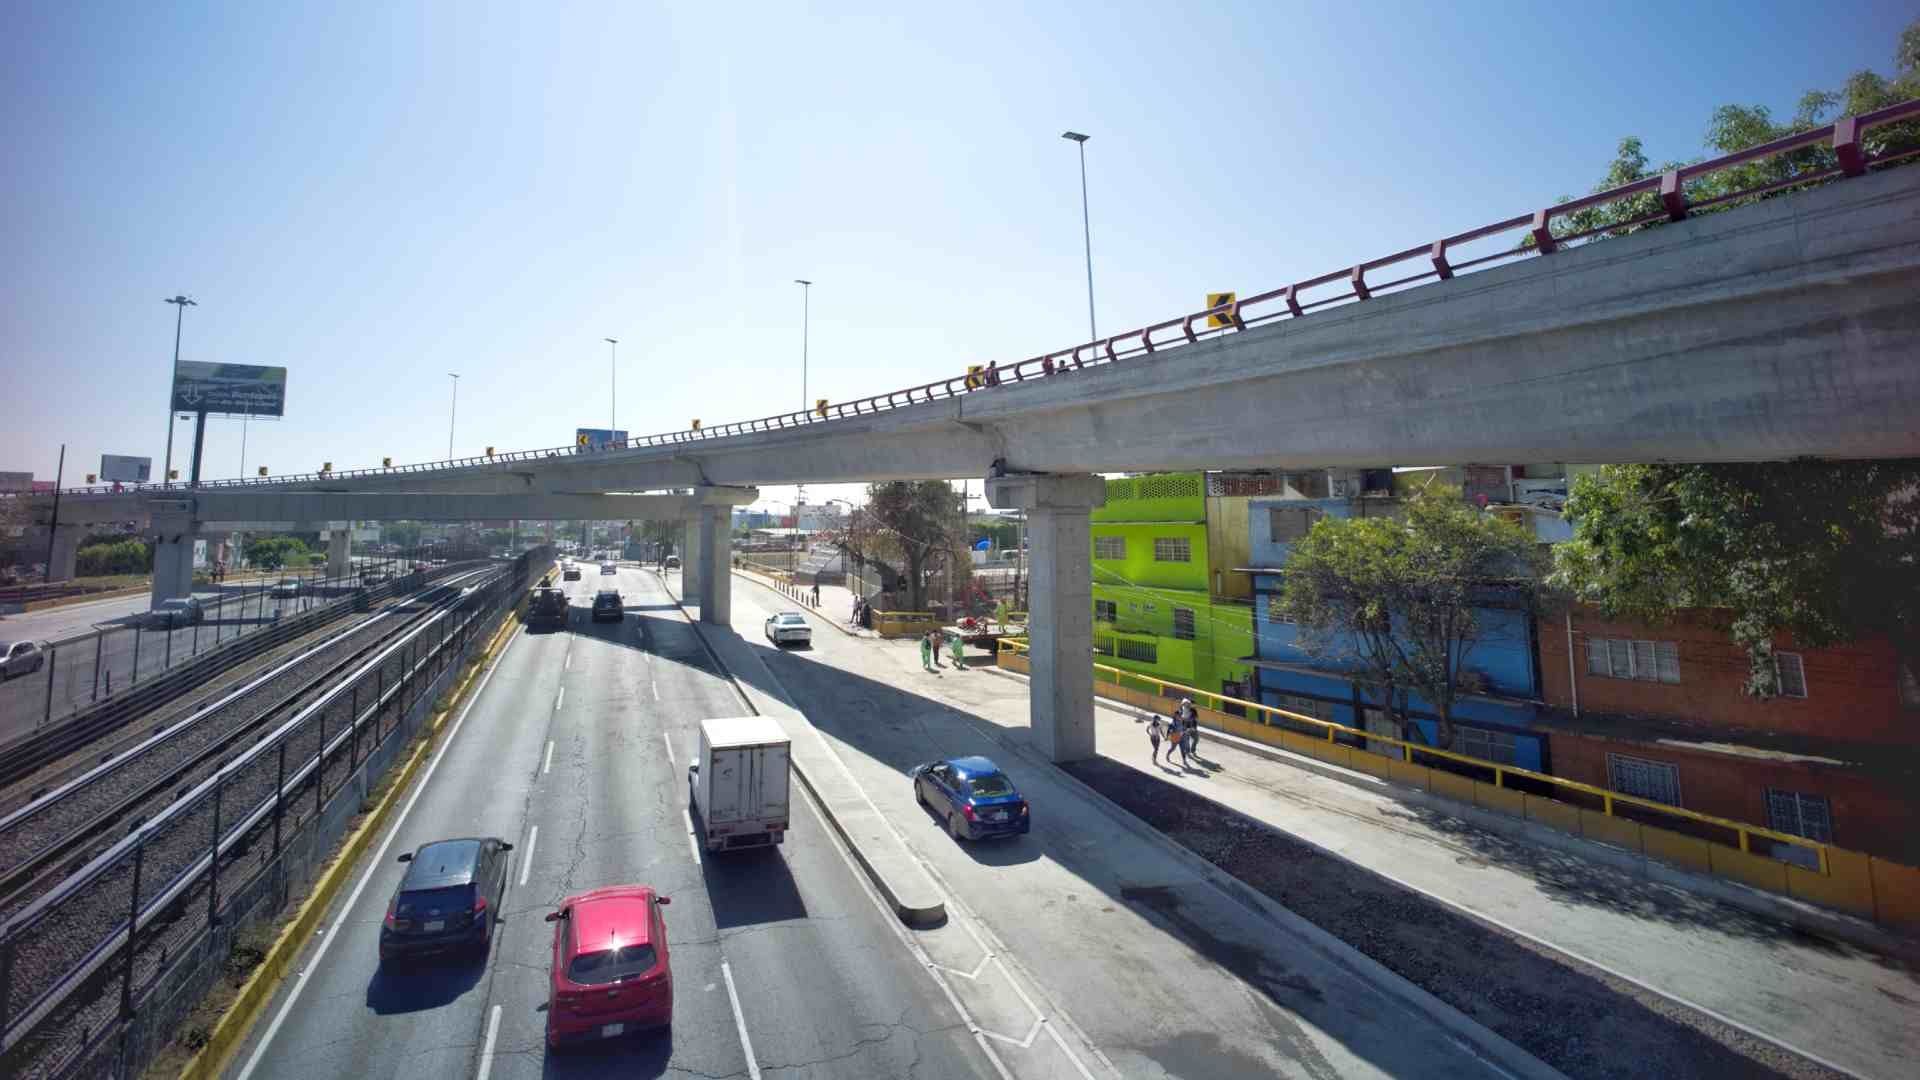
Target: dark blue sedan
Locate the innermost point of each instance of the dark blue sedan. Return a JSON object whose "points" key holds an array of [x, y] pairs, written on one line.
{"points": [[976, 798]]}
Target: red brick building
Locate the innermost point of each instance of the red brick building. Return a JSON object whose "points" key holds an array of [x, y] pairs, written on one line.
{"points": [[1659, 712]]}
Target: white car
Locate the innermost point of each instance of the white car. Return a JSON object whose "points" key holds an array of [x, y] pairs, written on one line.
{"points": [[789, 626], [608, 568]]}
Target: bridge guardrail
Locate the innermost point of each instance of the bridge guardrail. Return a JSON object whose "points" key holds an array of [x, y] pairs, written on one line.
{"points": [[1844, 146]]}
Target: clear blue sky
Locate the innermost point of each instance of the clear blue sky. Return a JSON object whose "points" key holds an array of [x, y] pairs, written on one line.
{"points": [[375, 195]]}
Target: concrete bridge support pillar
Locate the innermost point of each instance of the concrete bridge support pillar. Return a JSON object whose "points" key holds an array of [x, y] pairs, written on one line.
{"points": [[66, 546], [174, 535], [340, 551], [690, 559], [715, 559], [1060, 615]]}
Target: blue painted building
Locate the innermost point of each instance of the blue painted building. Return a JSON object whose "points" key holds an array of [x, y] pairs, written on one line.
{"points": [[1494, 722]]}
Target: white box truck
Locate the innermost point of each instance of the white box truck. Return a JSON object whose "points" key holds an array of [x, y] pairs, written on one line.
{"points": [[739, 785]]}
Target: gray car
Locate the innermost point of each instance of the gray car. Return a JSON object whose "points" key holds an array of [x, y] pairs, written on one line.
{"points": [[180, 611], [20, 658]]}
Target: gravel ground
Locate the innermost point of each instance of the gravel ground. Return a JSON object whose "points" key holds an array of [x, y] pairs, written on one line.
{"points": [[64, 938], [1579, 1020]]}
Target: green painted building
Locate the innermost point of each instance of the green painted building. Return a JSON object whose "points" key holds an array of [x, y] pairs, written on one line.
{"points": [[1162, 578]]}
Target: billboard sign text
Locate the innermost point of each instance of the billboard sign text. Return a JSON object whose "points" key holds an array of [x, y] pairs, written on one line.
{"points": [[124, 468], [236, 389]]}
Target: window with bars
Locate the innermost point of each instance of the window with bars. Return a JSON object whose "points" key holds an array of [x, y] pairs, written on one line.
{"points": [[1103, 646], [1647, 661], [1792, 673], [1654, 780], [1810, 816], [1105, 611], [1484, 744], [1183, 623], [1109, 547], [1145, 652], [1277, 611], [1286, 524], [1172, 549]]}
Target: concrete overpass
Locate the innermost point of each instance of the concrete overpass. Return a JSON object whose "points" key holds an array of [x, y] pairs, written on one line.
{"points": [[1781, 329]]}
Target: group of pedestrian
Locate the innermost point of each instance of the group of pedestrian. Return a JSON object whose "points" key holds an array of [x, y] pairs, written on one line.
{"points": [[930, 643], [1182, 730]]}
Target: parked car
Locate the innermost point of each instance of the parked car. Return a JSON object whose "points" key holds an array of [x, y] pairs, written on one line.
{"points": [[20, 658], [672, 563], [612, 973], [287, 588], [788, 626], [976, 798], [448, 899], [607, 605], [179, 611]]}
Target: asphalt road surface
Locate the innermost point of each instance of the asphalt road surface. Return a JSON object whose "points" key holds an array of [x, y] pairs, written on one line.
{"points": [[575, 749]]}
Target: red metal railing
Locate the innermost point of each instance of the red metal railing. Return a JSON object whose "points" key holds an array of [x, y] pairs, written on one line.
{"points": [[1844, 137]]}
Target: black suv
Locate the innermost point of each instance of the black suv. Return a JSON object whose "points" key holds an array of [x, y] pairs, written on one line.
{"points": [[607, 605], [546, 606], [448, 899]]}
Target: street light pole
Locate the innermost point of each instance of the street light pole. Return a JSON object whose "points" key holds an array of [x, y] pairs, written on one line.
{"points": [[806, 317], [453, 408], [180, 306], [613, 387], [1086, 226]]}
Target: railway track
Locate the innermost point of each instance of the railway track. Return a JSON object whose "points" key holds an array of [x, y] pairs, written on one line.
{"points": [[58, 832]]}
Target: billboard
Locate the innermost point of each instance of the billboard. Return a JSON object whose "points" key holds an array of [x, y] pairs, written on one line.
{"points": [[16, 483], [598, 438], [237, 389], [123, 467]]}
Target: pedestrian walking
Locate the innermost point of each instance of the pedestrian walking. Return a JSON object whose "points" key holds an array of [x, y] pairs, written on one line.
{"points": [[1177, 731], [816, 594], [933, 642], [1154, 729], [926, 652], [1189, 726], [958, 645], [854, 618]]}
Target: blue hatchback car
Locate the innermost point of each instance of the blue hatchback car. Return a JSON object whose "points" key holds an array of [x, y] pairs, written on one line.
{"points": [[976, 798]]}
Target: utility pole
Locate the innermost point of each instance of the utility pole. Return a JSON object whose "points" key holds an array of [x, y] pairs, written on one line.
{"points": [[613, 387], [453, 407], [53, 530], [180, 304]]}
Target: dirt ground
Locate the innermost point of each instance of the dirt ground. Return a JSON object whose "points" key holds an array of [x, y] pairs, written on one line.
{"points": [[1579, 1020]]}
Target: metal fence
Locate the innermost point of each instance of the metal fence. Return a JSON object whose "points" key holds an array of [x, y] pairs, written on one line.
{"points": [[81, 672], [83, 967]]}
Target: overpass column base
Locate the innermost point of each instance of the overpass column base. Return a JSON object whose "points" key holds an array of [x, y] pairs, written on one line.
{"points": [[172, 557], [1060, 612], [690, 559], [715, 558], [340, 549], [66, 551]]}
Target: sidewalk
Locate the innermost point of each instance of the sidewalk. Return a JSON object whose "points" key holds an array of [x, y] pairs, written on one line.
{"points": [[1585, 957]]}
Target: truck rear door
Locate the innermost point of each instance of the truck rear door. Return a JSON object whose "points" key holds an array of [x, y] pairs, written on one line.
{"points": [[728, 786], [772, 777]]}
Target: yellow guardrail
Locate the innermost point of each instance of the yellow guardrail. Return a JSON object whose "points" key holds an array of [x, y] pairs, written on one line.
{"points": [[1331, 729]]}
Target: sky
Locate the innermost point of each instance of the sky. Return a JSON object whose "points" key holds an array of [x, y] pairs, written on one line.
{"points": [[375, 195]]}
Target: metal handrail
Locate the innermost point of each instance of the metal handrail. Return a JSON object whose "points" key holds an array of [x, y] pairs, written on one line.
{"points": [[1844, 136]]}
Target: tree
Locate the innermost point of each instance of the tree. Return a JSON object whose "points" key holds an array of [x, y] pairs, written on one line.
{"points": [[1399, 598], [403, 534], [1828, 551], [274, 552], [906, 529]]}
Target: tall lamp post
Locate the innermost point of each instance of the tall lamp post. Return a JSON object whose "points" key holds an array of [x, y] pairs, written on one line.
{"points": [[613, 387], [180, 306], [806, 316], [453, 407], [1086, 226]]}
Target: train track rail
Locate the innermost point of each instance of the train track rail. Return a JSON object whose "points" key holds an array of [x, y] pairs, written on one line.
{"points": [[59, 831]]}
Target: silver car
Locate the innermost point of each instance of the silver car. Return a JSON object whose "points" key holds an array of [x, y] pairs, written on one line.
{"points": [[789, 626], [180, 611], [20, 658]]}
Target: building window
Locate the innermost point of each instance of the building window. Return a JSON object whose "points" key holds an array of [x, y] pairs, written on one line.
{"points": [[1647, 661], [1103, 646], [1792, 673], [1277, 611], [1654, 780], [1286, 524], [1145, 652], [1183, 623], [1484, 744], [1172, 549], [1810, 816], [1105, 611], [1109, 547]]}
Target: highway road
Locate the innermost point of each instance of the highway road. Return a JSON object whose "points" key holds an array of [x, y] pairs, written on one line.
{"points": [[575, 749]]}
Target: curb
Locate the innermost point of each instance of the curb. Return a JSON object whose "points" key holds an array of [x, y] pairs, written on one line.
{"points": [[919, 916], [238, 1021], [831, 621]]}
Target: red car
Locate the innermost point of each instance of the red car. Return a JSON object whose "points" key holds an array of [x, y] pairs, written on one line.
{"points": [[611, 973]]}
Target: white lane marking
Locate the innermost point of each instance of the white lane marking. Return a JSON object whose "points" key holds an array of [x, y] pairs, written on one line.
{"points": [[373, 865], [668, 739], [693, 845], [547, 766], [656, 689], [739, 1021], [486, 1054], [526, 861], [569, 660], [560, 698]]}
